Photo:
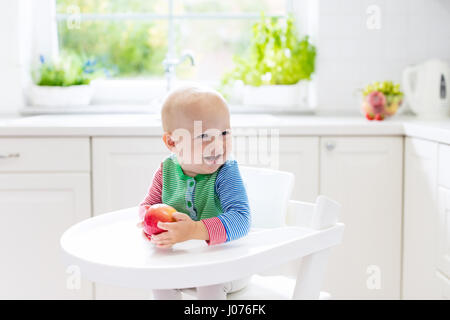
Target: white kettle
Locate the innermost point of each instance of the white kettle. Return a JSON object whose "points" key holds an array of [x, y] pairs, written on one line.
{"points": [[427, 88]]}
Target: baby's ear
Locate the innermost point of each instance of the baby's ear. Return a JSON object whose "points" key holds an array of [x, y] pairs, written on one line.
{"points": [[168, 141]]}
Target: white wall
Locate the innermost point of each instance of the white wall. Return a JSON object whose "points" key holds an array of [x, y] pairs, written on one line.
{"points": [[11, 57], [24, 34], [351, 55]]}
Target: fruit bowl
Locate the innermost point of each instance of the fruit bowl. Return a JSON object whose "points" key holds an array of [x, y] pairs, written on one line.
{"points": [[381, 100]]}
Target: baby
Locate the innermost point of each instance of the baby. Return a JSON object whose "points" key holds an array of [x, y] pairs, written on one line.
{"points": [[199, 179]]}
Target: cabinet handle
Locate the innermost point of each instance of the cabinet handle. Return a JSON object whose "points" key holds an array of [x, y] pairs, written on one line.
{"points": [[9, 156], [330, 145]]}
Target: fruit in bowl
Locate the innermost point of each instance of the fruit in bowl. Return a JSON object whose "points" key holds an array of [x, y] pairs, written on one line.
{"points": [[381, 100], [155, 213]]}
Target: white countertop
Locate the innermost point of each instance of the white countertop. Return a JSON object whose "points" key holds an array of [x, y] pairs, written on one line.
{"points": [[150, 125]]}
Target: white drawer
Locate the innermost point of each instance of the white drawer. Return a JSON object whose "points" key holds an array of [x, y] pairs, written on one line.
{"points": [[444, 165], [44, 154]]}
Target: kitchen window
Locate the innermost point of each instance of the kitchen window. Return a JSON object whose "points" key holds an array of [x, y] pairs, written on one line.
{"points": [[132, 41]]}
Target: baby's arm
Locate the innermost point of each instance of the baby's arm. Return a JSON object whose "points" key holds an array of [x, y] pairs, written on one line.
{"points": [[184, 230], [235, 221], [154, 193]]}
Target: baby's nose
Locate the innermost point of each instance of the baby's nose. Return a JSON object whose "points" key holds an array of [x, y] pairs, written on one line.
{"points": [[216, 148]]}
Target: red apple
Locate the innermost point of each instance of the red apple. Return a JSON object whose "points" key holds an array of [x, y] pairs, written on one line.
{"points": [[377, 100], [370, 116], [155, 213]]}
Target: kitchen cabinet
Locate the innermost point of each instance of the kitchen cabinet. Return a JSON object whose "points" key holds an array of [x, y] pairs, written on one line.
{"points": [[47, 184], [443, 230], [364, 174], [420, 220], [44, 189], [298, 155], [122, 172], [370, 168], [443, 220], [426, 220], [123, 169]]}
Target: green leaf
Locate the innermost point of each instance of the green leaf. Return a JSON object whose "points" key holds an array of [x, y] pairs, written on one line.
{"points": [[69, 69], [388, 88], [267, 53]]}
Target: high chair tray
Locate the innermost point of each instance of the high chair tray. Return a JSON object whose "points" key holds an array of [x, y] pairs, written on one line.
{"points": [[110, 249]]}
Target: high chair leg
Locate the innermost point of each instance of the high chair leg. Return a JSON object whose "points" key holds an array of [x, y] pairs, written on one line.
{"points": [[213, 292], [310, 276], [166, 294]]}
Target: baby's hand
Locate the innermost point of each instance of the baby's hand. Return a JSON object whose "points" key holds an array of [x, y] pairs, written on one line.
{"points": [[144, 235], [183, 229]]}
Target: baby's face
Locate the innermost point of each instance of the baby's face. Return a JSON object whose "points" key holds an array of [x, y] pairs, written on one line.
{"points": [[202, 142]]}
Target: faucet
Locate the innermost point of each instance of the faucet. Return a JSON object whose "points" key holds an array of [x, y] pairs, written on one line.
{"points": [[170, 64]]}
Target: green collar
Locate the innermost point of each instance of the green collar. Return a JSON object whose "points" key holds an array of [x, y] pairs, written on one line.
{"points": [[183, 176]]}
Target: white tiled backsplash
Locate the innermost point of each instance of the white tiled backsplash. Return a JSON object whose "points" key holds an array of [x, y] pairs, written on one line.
{"points": [[350, 54]]}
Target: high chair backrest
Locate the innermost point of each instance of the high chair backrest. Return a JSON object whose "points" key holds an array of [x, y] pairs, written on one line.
{"points": [[269, 192], [319, 215]]}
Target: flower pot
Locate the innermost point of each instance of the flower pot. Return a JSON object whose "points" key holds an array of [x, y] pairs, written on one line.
{"points": [[292, 95], [54, 96]]}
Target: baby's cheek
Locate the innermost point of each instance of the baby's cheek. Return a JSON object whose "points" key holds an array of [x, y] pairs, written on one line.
{"points": [[197, 153], [228, 145]]}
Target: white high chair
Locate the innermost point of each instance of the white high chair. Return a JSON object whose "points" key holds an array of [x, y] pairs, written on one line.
{"points": [[285, 252]]}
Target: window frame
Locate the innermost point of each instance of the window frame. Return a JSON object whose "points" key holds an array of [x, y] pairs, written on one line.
{"points": [[47, 43]]}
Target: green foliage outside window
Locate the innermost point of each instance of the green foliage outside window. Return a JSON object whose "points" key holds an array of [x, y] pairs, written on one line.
{"points": [[122, 48]]}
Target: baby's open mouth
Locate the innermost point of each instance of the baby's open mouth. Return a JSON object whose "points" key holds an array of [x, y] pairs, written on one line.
{"points": [[212, 159]]}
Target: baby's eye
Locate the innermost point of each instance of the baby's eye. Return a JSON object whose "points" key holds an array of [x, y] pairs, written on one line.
{"points": [[203, 136], [224, 133]]}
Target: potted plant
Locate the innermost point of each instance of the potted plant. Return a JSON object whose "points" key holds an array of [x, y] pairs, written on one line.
{"points": [[277, 66], [63, 82], [381, 100]]}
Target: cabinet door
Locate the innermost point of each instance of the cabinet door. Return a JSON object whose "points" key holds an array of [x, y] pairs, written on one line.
{"points": [[364, 174], [419, 220], [123, 169], [443, 232], [35, 209], [299, 155], [122, 173], [443, 220]]}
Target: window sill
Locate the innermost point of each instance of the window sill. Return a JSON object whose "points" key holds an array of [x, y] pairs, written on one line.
{"points": [[91, 109], [138, 96], [148, 109]]}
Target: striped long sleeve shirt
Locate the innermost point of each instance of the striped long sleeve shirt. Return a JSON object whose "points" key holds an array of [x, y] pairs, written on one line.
{"points": [[218, 199]]}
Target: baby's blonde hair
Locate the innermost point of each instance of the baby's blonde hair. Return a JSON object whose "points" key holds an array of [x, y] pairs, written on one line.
{"points": [[184, 99]]}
